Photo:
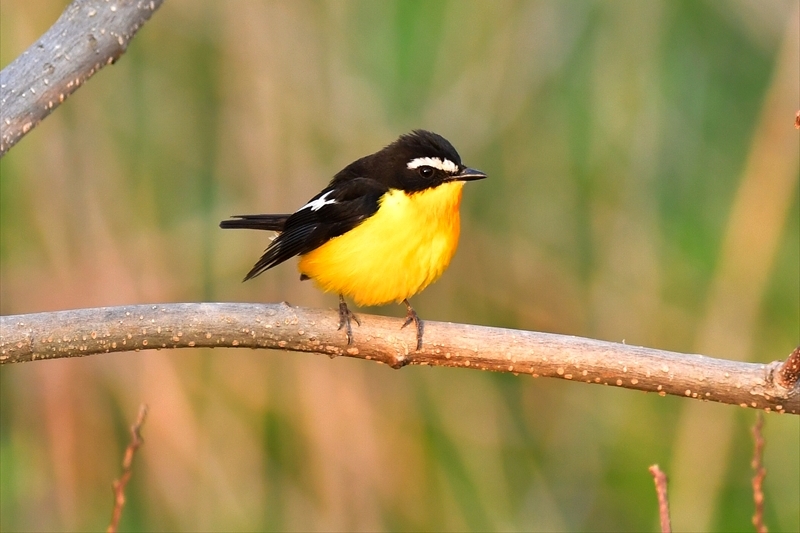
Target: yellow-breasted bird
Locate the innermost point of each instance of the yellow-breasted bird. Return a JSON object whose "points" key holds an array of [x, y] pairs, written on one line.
{"points": [[385, 227]]}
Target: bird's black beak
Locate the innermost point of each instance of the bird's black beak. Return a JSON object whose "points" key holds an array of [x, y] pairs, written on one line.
{"points": [[468, 174]]}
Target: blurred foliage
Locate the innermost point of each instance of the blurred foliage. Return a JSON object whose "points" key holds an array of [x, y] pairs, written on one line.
{"points": [[617, 136]]}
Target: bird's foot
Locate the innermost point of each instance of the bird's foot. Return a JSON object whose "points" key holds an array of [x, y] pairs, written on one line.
{"points": [[345, 315], [411, 316]]}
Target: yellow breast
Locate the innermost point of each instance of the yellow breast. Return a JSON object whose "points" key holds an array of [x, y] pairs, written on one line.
{"points": [[406, 245]]}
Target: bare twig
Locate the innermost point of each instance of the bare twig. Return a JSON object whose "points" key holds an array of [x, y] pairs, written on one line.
{"points": [[280, 326], [88, 35], [119, 484], [758, 477], [789, 373], [660, 479]]}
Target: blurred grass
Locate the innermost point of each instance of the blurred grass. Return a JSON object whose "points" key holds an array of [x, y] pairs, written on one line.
{"points": [[616, 136]]}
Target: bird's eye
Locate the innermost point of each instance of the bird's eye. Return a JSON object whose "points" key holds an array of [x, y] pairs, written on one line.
{"points": [[425, 171]]}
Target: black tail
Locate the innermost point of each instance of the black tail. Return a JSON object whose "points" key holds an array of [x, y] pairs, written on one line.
{"points": [[265, 222]]}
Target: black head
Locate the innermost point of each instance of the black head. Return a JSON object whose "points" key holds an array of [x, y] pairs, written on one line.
{"points": [[417, 161]]}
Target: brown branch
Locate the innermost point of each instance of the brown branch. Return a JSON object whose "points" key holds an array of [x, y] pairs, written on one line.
{"points": [[119, 484], [660, 479], [758, 477], [789, 372], [280, 326], [88, 35]]}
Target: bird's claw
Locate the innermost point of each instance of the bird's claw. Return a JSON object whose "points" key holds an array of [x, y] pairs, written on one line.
{"points": [[345, 315], [411, 316]]}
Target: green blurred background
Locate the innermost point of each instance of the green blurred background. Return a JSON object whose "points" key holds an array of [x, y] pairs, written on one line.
{"points": [[644, 186]]}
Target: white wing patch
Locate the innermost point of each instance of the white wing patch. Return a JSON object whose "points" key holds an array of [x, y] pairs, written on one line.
{"points": [[442, 164], [319, 203]]}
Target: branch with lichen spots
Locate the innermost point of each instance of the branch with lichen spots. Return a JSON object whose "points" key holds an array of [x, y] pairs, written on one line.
{"points": [[280, 326], [88, 35]]}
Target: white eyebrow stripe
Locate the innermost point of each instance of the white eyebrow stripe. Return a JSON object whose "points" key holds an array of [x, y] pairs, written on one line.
{"points": [[319, 203], [442, 164]]}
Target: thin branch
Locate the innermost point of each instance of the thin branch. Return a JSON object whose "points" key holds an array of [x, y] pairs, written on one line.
{"points": [[758, 477], [88, 35], [280, 326], [660, 479], [119, 484]]}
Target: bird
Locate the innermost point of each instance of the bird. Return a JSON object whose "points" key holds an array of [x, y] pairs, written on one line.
{"points": [[385, 227]]}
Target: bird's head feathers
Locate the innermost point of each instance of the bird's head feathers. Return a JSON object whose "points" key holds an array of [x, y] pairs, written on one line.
{"points": [[415, 162]]}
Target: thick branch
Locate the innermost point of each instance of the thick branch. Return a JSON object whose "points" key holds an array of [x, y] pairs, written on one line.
{"points": [[144, 327], [88, 35]]}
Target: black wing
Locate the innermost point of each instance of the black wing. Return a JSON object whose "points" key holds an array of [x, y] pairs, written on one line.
{"points": [[336, 210], [265, 222]]}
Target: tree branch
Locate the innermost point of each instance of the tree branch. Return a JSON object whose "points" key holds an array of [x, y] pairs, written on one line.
{"points": [[789, 372], [88, 35], [280, 326]]}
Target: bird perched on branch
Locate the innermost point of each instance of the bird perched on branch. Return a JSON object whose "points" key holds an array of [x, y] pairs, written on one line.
{"points": [[385, 227]]}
